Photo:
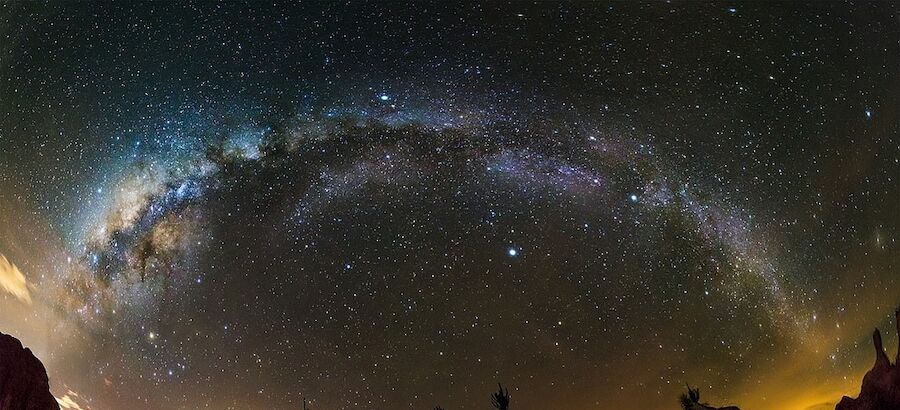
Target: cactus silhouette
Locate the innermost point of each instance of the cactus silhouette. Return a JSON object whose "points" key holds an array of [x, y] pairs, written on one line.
{"points": [[500, 399]]}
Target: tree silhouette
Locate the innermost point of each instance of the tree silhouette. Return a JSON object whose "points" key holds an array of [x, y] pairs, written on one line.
{"points": [[500, 399]]}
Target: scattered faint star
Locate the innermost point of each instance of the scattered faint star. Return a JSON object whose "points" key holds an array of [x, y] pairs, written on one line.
{"points": [[382, 206]]}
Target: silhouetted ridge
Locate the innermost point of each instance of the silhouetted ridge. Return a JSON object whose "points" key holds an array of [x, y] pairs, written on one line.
{"points": [[23, 380]]}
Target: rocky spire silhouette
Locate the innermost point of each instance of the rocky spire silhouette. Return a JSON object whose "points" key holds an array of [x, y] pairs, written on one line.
{"points": [[23, 380], [881, 385]]}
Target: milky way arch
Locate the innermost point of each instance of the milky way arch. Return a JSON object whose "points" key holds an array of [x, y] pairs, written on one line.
{"points": [[137, 249]]}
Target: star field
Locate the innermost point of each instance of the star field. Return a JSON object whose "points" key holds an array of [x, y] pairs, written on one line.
{"points": [[380, 205]]}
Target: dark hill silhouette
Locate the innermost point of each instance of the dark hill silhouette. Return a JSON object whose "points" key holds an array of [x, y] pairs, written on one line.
{"points": [[881, 385], [23, 380]]}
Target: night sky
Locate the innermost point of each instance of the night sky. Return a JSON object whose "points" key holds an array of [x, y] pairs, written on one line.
{"points": [[397, 206]]}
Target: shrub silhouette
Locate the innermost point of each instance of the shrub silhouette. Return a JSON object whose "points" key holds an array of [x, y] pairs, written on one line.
{"points": [[692, 396], [500, 399], [691, 401]]}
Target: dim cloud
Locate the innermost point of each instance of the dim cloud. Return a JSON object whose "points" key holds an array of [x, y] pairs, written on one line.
{"points": [[13, 281], [70, 401]]}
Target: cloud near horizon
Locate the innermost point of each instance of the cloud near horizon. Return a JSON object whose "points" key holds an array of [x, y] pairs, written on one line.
{"points": [[13, 281]]}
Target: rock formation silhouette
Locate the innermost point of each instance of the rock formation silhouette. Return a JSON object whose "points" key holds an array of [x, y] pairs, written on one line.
{"points": [[691, 401], [881, 385], [23, 380]]}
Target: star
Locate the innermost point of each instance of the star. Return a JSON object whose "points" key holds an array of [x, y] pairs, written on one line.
{"points": [[373, 206]]}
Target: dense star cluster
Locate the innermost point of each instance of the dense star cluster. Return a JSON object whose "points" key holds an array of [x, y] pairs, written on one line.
{"points": [[208, 205]]}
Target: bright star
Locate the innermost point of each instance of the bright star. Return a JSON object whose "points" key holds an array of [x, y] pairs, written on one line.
{"points": [[633, 198], [512, 252], [384, 97]]}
